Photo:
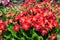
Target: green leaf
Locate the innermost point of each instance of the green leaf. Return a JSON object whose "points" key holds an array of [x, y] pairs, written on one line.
{"points": [[34, 36], [11, 30], [58, 37], [1, 7], [53, 8], [12, 39], [40, 38], [7, 37], [23, 33], [32, 31], [22, 38]]}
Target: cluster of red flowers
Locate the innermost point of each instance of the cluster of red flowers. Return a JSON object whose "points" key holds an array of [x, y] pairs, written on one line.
{"points": [[41, 19], [2, 27]]}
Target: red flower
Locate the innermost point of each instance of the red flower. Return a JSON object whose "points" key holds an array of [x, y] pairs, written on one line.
{"points": [[43, 32], [28, 20], [0, 14], [6, 22], [26, 26], [37, 27], [16, 28], [59, 15], [3, 26], [0, 32], [53, 37], [22, 19], [43, 3], [56, 24], [12, 14], [1, 21], [50, 26]]}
